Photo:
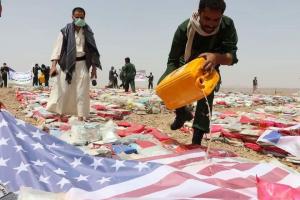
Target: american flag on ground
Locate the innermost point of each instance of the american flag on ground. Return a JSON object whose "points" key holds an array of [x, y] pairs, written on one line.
{"points": [[287, 139], [31, 158]]}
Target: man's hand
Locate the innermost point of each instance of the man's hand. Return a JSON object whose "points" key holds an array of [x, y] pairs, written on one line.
{"points": [[94, 72], [210, 62], [53, 71]]}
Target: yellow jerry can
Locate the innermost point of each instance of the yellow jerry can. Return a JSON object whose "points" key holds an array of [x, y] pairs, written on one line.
{"points": [[187, 84]]}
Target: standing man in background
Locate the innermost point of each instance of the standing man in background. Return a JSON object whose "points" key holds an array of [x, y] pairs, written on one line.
{"points": [[208, 34], [76, 52], [122, 77], [46, 71], [4, 73], [1, 81], [111, 77], [115, 79], [150, 81], [130, 73], [255, 84], [35, 71]]}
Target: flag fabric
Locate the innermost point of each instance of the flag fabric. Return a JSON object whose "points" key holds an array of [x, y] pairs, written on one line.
{"points": [[20, 78], [267, 191], [287, 139], [140, 75], [11, 69], [32, 158]]}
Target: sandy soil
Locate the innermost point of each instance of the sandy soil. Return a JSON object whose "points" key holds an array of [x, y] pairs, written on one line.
{"points": [[8, 98]]}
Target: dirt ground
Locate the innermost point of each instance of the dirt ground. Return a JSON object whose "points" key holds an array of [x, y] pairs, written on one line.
{"points": [[8, 98], [160, 121]]}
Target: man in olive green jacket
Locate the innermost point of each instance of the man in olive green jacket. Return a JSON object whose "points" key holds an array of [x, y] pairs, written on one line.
{"points": [[208, 34], [130, 72]]}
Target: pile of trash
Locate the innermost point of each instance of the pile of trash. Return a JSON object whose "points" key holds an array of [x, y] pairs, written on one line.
{"points": [[106, 134], [271, 130], [121, 139], [236, 99], [106, 104]]}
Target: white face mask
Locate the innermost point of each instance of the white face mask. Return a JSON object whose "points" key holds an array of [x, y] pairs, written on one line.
{"points": [[79, 22]]}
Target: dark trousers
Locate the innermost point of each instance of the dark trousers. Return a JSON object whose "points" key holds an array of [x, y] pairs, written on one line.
{"points": [[4, 80], [46, 81], [150, 85], [35, 81], [201, 119], [131, 83], [122, 85], [115, 83]]}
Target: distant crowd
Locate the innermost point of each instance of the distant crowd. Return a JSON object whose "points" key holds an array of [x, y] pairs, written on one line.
{"points": [[127, 77], [41, 76]]}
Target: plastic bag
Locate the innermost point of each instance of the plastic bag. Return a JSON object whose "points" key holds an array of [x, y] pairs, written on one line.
{"points": [[85, 133], [108, 132], [32, 194]]}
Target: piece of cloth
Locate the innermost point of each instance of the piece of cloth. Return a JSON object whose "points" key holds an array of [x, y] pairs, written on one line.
{"points": [[71, 99], [80, 42], [193, 27], [27, 154], [287, 142]]}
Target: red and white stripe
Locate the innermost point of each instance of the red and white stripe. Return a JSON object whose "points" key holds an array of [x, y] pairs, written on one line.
{"points": [[190, 175]]}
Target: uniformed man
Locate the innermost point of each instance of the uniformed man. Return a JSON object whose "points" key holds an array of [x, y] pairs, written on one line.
{"points": [[208, 34]]}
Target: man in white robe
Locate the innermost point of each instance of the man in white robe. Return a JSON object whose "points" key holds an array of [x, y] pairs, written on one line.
{"points": [[75, 51]]}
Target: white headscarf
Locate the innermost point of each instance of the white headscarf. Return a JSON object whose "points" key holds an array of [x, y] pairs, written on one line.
{"points": [[193, 27]]}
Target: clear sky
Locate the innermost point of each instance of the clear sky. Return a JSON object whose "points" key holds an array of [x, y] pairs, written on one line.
{"points": [[268, 30]]}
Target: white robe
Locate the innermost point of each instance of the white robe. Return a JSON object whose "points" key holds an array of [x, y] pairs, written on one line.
{"points": [[71, 99]]}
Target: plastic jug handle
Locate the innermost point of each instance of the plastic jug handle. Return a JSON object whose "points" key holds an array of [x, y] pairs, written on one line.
{"points": [[200, 80], [200, 83]]}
